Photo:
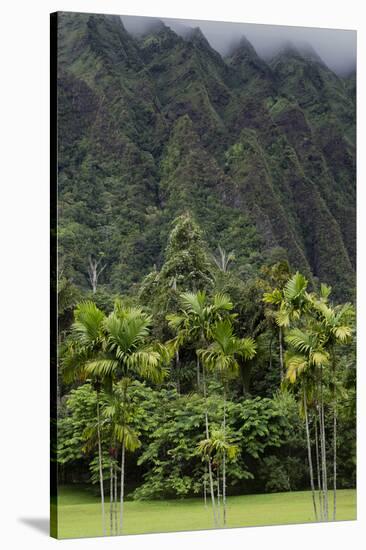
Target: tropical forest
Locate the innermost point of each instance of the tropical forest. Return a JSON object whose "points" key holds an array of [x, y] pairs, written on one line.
{"points": [[206, 249]]}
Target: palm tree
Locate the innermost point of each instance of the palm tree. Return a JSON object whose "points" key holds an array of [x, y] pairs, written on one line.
{"points": [[291, 301], [303, 362], [223, 357], [87, 340], [216, 448], [112, 485], [193, 323], [330, 326], [128, 354], [336, 328], [120, 414], [224, 259]]}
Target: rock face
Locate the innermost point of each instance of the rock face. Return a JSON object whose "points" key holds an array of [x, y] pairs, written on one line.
{"points": [[263, 154]]}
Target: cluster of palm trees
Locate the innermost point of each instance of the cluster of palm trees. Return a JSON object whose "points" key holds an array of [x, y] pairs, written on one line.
{"points": [[115, 350], [208, 326], [315, 332]]}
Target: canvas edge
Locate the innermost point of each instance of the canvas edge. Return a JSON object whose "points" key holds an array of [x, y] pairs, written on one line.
{"points": [[53, 277]]}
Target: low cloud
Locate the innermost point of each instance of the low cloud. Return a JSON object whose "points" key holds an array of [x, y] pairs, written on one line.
{"points": [[337, 48]]}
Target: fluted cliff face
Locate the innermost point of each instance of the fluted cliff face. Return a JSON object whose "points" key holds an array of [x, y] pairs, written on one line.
{"points": [[262, 154]]}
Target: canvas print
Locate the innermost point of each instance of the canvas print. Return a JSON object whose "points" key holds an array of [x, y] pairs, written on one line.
{"points": [[203, 218]]}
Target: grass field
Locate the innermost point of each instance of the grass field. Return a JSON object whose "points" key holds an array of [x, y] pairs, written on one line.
{"points": [[79, 512]]}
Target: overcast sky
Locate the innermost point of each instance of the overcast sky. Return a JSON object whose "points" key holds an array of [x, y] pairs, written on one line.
{"points": [[337, 48]]}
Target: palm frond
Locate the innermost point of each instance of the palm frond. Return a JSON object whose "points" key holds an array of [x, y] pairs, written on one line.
{"points": [[319, 358], [193, 302], [127, 333], [342, 333], [102, 367], [325, 291], [274, 297], [296, 364], [222, 302], [129, 437], [149, 364], [88, 323], [176, 321], [73, 357], [300, 340], [282, 317], [295, 286], [248, 348]]}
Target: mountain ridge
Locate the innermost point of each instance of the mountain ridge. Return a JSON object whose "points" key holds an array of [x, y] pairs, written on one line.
{"points": [[278, 152]]}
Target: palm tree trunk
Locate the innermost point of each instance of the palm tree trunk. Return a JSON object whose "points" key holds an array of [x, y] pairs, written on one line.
{"points": [[206, 423], [205, 486], [209, 458], [309, 455], [318, 469], [177, 369], [205, 398], [224, 463], [115, 500], [334, 439], [122, 487], [325, 467], [281, 353], [100, 467], [323, 454], [111, 499], [114, 475], [212, 491], [322, 460], [270, 352], [198, 373], [334, 462], [224, 486], [218, 496]]}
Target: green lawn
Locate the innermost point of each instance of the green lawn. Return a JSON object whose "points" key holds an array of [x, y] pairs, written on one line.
{"points": [[79, 512]]}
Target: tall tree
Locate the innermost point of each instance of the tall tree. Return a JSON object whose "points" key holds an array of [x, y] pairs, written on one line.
{"points": [[121, 415], [303, 365], [95, 269], [194, 323], [223, 356], [336, 325], [127, 354], [87, 340], [186, 266], [217, 448], [223, 260], [273, 280]]}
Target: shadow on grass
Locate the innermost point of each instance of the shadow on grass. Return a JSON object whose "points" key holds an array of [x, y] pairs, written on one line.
{"points": [[42, 525]]}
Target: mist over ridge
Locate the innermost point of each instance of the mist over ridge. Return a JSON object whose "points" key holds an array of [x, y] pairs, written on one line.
{"points": [[336, 48]]}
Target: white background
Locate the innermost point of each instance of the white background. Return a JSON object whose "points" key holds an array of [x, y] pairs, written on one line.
{"points": [[24, 281]]}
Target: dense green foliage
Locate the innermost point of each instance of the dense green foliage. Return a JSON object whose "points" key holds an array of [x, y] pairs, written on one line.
{"points": [[171, 425], [168, 419], [262, 155], [195, 359]]}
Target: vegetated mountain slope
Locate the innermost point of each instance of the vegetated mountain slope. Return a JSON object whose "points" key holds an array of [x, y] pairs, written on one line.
{"points": [[262, 154], [329, 107]]}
